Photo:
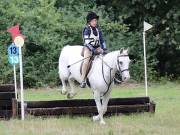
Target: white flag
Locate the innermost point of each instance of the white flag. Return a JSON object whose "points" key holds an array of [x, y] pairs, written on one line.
{"points": [[147, 26]]}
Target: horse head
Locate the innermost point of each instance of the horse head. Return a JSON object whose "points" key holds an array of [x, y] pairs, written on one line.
{"points": [[123, 63]]}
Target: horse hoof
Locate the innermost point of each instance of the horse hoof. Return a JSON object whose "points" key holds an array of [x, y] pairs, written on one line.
{"points": [[70, 95], [96, 118], [63, 92], [102, 122]]}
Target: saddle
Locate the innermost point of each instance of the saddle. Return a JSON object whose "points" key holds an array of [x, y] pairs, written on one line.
{"points": [[90, 62]]}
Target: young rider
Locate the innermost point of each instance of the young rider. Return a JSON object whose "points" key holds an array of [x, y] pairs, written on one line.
{"points": [[93, 43]]}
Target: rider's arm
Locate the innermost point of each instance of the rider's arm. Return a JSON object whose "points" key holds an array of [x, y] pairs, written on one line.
{"points": [[102, 42], [86, 33]]}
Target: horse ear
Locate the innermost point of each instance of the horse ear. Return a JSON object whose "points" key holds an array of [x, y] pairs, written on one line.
{"points": [[121, 50], [128, 50]]}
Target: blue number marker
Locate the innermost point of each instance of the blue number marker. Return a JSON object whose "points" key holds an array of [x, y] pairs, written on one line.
{"points": [[13, 50], [13, 54]]}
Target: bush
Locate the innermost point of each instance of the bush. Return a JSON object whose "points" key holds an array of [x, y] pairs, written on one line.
{"points": [[50, 24]]}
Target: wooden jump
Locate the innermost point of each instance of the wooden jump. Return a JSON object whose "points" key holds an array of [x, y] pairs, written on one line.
{"points": [[8, 103], [88, 106], [9, 107]]}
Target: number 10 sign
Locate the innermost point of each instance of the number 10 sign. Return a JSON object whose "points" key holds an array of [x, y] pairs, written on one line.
{"points": [[13, 54]]}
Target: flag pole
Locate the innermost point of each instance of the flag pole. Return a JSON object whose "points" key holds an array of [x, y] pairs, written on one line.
{"points": [[147, 26], [145, 63], [15, 82]]}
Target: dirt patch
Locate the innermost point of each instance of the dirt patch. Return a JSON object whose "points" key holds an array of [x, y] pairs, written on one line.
{"points": [[130, 85]]}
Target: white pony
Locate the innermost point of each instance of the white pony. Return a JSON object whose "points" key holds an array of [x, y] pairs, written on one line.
{"points": [[100, 76]]}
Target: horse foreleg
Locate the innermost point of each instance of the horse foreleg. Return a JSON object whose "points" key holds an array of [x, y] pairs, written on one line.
{"points": [[97, 99], [105, 101], [72, 92]]}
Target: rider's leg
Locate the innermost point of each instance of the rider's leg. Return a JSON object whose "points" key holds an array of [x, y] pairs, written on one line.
{"points": [[87, 53]]}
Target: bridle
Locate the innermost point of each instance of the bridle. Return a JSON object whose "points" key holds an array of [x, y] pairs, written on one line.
{"points": [[118, 63]]}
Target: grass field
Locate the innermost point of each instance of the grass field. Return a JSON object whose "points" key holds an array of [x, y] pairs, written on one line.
{"points": [[166, 120]]}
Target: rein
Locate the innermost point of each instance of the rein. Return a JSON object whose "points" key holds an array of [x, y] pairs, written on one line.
{"points": [[110, 70], [110, 78]]}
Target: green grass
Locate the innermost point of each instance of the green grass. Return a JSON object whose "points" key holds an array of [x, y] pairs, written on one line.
{"points": [[54, 94], [166, 120]]}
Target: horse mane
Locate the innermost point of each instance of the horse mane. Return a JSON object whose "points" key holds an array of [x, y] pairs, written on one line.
{"points": [[116, 52], [113, 53]]}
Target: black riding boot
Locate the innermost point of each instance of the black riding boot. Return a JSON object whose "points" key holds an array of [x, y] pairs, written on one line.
{"points": [[83, 84]]}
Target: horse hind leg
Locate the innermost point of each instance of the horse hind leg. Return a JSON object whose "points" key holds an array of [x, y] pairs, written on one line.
{"points": [[64, 76], [64, 88], [72, 92]]}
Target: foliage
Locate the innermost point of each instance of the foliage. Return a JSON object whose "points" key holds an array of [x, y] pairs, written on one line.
{"points": [[51, 24], [163, 45]]}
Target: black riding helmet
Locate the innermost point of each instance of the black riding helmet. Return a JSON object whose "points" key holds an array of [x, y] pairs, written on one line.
{"points": [[91, 15]]}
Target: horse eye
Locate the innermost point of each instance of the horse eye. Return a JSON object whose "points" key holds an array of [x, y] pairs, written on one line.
{"points": [[120, 62]]}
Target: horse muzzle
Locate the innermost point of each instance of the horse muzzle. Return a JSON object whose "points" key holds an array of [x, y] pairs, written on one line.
{"points": [[125, 76]]}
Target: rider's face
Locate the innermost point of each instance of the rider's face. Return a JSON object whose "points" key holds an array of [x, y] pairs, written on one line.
{"points": [[93, 22]]}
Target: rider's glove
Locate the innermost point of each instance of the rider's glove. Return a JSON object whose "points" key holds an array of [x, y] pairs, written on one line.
{"points": [[105, 51]]}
